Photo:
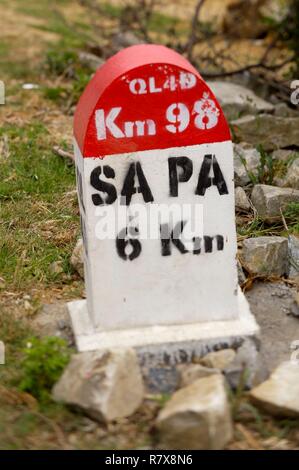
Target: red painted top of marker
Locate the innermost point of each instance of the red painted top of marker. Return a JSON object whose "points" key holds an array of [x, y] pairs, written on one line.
{"points": [[147, 97]]}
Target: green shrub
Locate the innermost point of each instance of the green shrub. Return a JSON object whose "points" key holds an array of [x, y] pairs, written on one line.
{"points": [[42, 365]]}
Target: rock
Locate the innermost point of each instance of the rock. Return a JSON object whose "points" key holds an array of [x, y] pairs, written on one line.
{"points": [[218, 359], [295, 306], [2, 283], [241, 200], [269, 200], [291, 179], [77, 258], [246, 161], [90, 60], [246, 18], [54, 320], [271, 132], [247, 368], [265, 256], [56, 268], [2, 353], [279, 395], [282, 155], [107, 385], [189, 373], [293, 256], [196, 417], [28, 306], [236, 100], [277, 10], [212, 13], [124, 39], [241, 274], [283, 110], [159, 380], [270, 303]]}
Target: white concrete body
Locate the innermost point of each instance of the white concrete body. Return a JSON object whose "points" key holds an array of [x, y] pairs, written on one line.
{"points": [[154, 289], [165, 343]]}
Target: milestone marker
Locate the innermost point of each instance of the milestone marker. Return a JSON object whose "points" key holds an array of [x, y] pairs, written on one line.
{"points": [[154, 164]]}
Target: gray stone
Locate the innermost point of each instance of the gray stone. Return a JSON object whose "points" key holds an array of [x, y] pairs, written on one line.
{"points": [[49, 320], [241, 274], [124, 39], [291, 179], [270, 302], [189, 373], [295, 306], [241, 200], [90, 60], [246, 18], [77, 258], [218, 359], [265, 256], [293, 256], [270, 200], [107, 385], [279, 395], [283, 110], [271, 132], [282, 155], [2, 283], [196, 417], [236, 99], [56, 268], [163, 379], [246, 162], [247, 369]]}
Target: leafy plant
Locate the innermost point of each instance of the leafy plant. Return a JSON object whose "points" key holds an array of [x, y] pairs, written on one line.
{"points": [[42, 365], [265, 170], [264, 174]]}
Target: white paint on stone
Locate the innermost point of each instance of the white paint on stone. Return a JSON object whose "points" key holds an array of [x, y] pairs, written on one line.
{"points": [[187, 288], [193, 339]]}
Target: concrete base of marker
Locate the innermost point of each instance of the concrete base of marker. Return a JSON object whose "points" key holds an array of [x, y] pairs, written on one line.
{"points": [[170, 344]]}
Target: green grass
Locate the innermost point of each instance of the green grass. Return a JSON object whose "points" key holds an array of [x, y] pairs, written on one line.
{"points": [[291, 214], [70, 35], [158, 22], [38, 222], [53, 20], [43, 363], [257, 228], [65, 62]]}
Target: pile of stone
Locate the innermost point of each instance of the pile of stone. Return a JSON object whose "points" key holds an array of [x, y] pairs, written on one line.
{"points": [[108, 386]]}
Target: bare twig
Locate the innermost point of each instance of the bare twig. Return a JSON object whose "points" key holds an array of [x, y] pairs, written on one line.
{"points": [[139, 13], [284, 221], [92, 5], [249, 437], [193, 33], [248, 68], [63, 153], [57, 430]]}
